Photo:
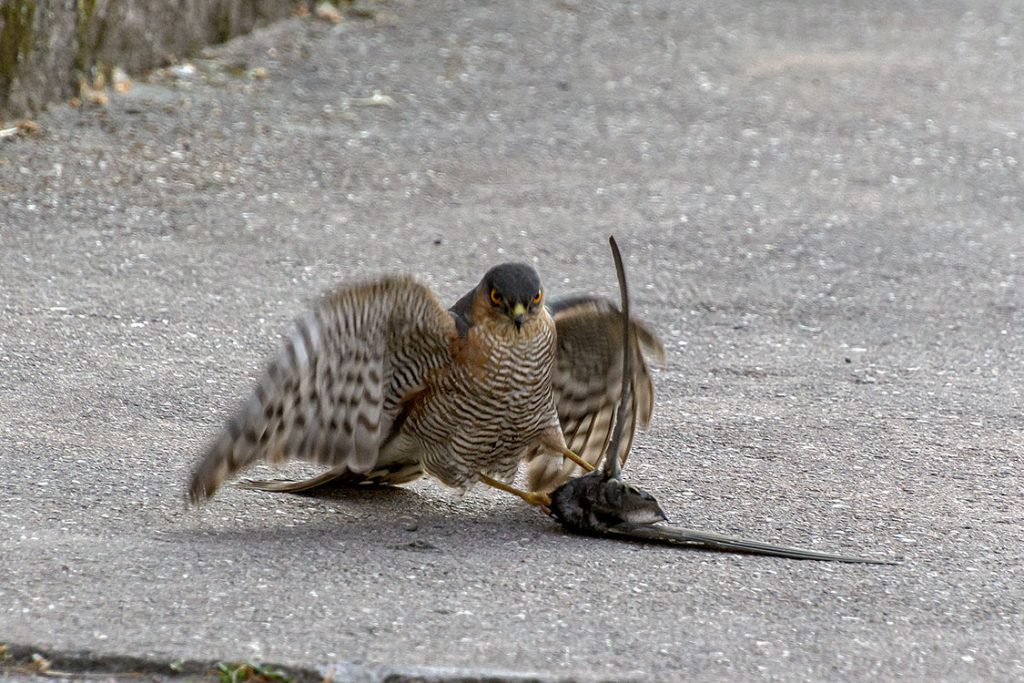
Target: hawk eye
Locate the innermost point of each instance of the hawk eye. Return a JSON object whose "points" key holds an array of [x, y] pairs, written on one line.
{"points": [[495, 297], [537, 297]]}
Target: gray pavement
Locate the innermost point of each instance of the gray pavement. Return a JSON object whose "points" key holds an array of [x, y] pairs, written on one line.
{"points": [[821, 210]]}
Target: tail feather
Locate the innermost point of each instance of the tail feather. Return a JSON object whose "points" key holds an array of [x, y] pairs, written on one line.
{"points": [[708, 539]]}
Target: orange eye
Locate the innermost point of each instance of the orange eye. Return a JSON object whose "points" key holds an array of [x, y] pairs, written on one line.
{"points": [[538, 297], [495, 297]]}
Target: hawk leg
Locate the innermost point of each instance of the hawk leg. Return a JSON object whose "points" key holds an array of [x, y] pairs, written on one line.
{"points": [[587, 467], [541, 500]]}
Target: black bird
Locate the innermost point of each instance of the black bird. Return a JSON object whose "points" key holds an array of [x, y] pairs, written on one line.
{"points": [[601, 504]]}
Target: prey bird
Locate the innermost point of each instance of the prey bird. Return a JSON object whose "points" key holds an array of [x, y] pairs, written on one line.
{"points": [[601, 504], [381, 384]]}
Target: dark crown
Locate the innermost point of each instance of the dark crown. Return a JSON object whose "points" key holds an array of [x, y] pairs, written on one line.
{"points": [[514, 282]]}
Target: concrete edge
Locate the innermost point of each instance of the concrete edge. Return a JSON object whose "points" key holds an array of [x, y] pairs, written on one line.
{"points": [[25, 662]]}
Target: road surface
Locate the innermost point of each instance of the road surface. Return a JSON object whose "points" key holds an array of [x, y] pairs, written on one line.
{"points": [[821, 211]]}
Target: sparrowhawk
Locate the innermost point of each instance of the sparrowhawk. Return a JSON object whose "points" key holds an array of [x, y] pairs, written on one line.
{"points": [[381, 384]]}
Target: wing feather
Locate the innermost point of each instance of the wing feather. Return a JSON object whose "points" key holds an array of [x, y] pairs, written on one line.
{"points": [[336, 388], [587, 377]]}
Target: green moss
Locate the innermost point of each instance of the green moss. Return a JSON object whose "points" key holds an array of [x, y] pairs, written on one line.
{"points": [[86, 8], [224, 27], [249, 672], [86, 43], [15, 38]]}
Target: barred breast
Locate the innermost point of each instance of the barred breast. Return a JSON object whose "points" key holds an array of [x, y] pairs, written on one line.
{"points": [[489, 404]]}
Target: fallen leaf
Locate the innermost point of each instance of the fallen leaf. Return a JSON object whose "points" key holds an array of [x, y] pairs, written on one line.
{"points": [[122, 83], [91, 94], [40, 663], [328, 12], [22, 128]]}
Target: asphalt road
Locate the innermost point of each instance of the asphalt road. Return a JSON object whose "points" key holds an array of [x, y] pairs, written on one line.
{"points": [[821, 210]]}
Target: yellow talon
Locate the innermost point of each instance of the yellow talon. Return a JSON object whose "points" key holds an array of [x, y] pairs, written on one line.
{"points": [[541, 500], [587, 467]]}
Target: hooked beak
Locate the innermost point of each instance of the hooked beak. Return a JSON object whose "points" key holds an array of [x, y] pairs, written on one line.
{"points": [[519, 315]]}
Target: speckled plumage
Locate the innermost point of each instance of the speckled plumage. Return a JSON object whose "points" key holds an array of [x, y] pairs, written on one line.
{"points": [[381, 384]]}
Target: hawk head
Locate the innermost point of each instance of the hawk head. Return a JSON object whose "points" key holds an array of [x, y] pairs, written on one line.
{"points": [[511, 292]]}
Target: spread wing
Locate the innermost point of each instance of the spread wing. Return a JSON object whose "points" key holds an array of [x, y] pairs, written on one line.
{"points": [[587, 377], [336, 390]]}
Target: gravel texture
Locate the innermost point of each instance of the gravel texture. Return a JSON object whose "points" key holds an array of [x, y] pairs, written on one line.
{"points": [[821, 211]]}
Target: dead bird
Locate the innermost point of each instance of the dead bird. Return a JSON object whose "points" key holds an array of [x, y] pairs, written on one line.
{"points": [[601, 504]]}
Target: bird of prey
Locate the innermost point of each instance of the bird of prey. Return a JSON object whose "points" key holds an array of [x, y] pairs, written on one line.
{"points": [[601, 504], [382, 384]]}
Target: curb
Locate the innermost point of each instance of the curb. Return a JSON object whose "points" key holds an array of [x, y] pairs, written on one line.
{"points": [[25, 662]]}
